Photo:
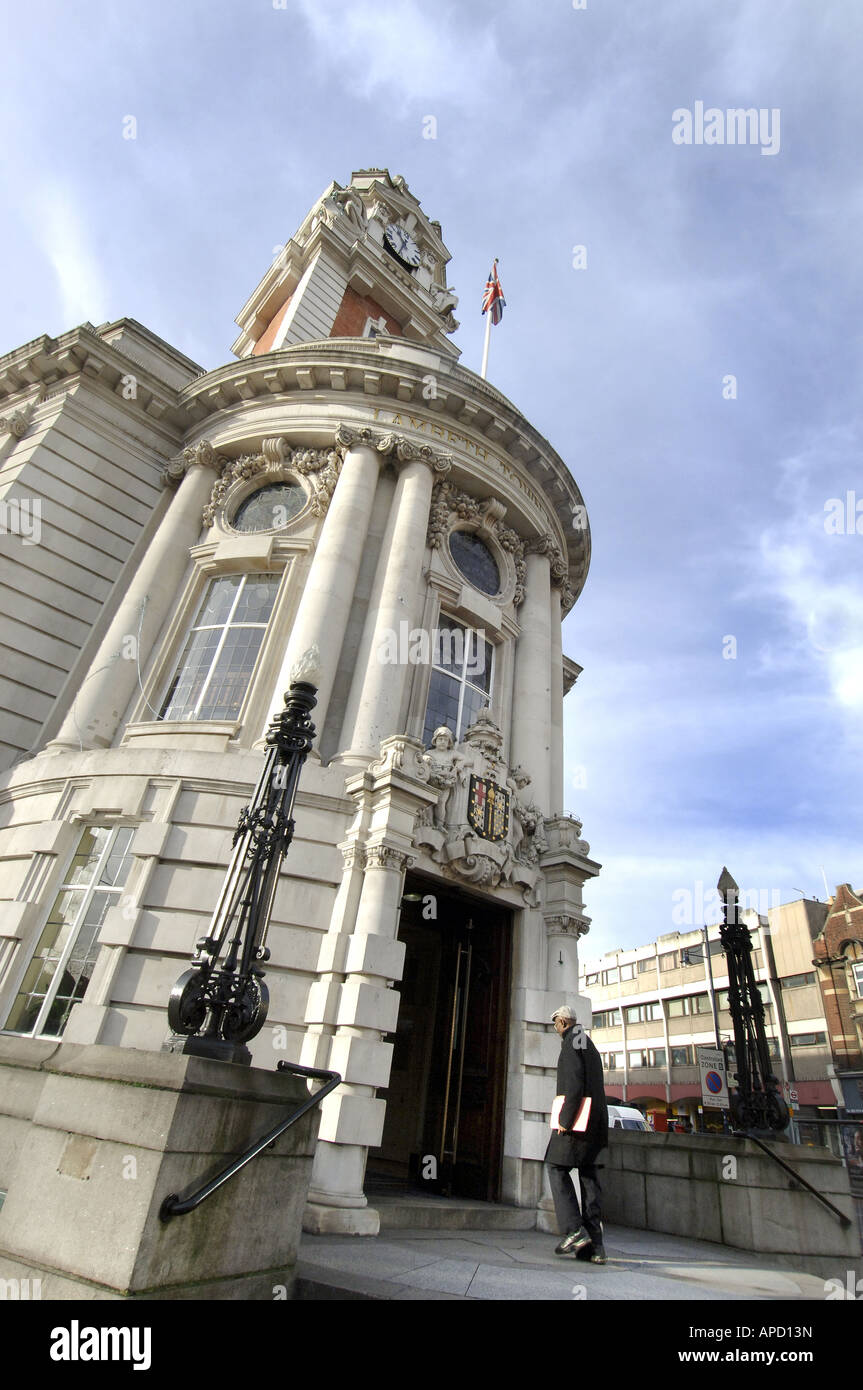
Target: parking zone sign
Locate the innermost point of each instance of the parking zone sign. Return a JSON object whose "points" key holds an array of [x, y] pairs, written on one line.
{"points": [[714, 1088]]}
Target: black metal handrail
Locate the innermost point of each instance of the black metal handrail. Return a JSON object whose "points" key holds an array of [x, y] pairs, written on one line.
{"points": [[825, 1201], [174, 1205]]}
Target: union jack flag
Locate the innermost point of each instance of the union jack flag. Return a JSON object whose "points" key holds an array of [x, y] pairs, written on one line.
{"points": [[493, 296]]}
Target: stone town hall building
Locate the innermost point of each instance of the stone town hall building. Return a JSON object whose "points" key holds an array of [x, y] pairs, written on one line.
{"points": [[174, 541]]}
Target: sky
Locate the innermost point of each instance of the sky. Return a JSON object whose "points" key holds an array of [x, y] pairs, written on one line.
{"points": [[696, 363]]}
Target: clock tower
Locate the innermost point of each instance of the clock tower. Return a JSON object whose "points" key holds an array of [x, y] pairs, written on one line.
{"points": [[366, 262]]}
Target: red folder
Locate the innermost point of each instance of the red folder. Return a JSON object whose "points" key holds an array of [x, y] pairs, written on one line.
{"points": [[579, 1124]]}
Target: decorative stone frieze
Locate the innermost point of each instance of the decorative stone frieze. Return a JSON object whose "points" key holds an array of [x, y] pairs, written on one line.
{"points": [[450, 505], [406, 450], [277, 457]]}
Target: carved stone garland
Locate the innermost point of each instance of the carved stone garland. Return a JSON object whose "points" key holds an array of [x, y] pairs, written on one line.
{"points": [[320, 466], [449, 504]]}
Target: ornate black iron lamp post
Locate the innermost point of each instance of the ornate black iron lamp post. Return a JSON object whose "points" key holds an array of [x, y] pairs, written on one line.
{"points": [[217, 1005], [756, 1104]]}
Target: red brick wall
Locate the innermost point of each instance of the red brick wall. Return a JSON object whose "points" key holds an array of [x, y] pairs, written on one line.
{"points": [[353, 312], [265, 342], [833, 975]]}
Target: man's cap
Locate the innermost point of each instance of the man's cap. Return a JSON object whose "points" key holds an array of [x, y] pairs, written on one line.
{"points": [[563, 1012]]}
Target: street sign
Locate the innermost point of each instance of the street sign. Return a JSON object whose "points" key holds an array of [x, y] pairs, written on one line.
{"points": [[714, 1088], [792, 1098]]}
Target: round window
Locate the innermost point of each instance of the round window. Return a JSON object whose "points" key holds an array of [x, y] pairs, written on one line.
{"points": [[269, 508], [475, 560]]}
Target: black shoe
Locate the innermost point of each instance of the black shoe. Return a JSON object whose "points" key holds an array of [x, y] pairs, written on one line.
{"points": [[598, 1255], [585, 1252], [571, 1244]]}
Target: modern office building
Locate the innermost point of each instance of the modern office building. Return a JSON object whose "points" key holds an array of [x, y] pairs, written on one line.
{"points": [[654, 1005]]}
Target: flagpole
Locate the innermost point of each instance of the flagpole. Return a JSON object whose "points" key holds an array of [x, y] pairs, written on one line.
{"points": [[487, 340], [488, 318]]}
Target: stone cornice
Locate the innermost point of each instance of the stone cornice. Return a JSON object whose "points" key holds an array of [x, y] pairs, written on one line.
{"points": [[52, 363], [394, 374]]}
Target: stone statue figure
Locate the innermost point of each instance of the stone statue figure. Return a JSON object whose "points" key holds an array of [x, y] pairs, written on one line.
{"points": [[444, 767], [528, 829]]}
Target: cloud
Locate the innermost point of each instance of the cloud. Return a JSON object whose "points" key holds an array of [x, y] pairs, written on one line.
{"points": [[813, 573], [403, 49], [63, 237]]}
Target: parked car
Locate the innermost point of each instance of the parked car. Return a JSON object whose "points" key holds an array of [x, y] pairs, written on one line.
{"points": [[626, 1117]]}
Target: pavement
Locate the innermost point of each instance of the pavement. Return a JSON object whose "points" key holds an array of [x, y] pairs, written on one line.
{"points": [[464, 1265]]}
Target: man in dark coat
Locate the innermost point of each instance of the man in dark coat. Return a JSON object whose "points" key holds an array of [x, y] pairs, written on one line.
{"points": [[579, 1075]]}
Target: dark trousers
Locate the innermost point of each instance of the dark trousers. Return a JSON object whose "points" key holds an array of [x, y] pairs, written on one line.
{"points": [[569, 1215]]}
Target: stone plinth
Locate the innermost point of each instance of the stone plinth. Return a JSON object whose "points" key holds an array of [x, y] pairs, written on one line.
{"points": [[113, 1132]]}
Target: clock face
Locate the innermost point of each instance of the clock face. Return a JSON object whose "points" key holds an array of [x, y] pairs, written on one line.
{"points": [[402, 245]]}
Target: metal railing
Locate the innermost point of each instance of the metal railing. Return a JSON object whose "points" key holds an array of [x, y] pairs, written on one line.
{"points": [[174, 1205], [798, 1179]]}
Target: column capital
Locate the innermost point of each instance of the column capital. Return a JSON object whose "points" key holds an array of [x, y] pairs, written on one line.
{"points": [[354, 855], [564, 924], [558, 565], [201, 455], [388, 857], [406, 450]]}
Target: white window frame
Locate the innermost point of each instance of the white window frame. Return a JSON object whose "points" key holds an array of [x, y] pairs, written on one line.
{"points": [[225, 625], [88, 894], [463, 682]]}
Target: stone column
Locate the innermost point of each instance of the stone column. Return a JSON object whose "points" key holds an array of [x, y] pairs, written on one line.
{"points": [[112, 679], [376, 697], [352, 1006], [556, 704], [531, 695], [366, 1010], [328, 593]]}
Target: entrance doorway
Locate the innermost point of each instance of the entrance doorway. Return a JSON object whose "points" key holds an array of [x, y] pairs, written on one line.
{"points": [[443, 1130]]}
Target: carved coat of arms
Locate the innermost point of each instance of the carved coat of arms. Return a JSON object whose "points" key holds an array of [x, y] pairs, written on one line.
{"points": [[488, 808], [483, 829]]}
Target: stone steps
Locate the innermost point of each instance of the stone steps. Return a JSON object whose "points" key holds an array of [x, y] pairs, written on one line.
{"points": [[408, 1212]]}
